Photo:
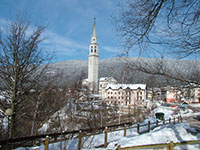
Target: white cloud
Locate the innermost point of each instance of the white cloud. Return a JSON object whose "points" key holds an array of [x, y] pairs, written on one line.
{"points": [[64, 45], [111, 49], [3, 22]]}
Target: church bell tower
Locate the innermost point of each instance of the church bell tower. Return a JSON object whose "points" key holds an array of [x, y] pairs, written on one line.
{"points": [[93, 62]]}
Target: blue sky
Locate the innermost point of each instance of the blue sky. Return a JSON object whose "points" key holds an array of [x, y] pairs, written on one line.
{"points": [[69, 24]]}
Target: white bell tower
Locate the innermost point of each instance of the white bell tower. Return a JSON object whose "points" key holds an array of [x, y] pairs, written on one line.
{"points": [[93, 62]]}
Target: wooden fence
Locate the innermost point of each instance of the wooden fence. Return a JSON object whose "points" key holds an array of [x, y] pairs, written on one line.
{"points": [[150, 125], [56, 137]]}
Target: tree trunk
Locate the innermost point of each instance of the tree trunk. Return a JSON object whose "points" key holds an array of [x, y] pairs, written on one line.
{"points": [[13, 104]]}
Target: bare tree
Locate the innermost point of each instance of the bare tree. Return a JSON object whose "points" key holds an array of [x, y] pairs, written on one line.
{"points": [[22, 66], [169, 23]]}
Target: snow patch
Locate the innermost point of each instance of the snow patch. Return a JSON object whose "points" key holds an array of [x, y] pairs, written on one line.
{"points": [[163, 134]]}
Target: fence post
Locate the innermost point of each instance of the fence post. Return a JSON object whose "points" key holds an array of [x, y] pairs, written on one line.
{"points": [[118, 147], [164, 122], [174, 120], [125, 130], [156, 123], [169, 120], [178, 119], [46, 143], [80, 140], [149, 126], [138, 128], [171, 145], [106, 137]]}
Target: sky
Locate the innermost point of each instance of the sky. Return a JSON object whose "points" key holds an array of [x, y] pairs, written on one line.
{"points": [[69, 25]]}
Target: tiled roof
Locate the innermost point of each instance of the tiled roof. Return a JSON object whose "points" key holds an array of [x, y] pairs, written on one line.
{"points": [[124, 86]]}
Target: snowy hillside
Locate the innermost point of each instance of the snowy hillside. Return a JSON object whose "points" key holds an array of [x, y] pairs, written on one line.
{"points": [[73, 69]]}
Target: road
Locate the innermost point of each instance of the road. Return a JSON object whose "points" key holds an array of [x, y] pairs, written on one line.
{"points": [[194, 121]]}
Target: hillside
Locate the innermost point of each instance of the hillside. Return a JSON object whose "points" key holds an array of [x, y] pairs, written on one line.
{"points": [[124, 70]]}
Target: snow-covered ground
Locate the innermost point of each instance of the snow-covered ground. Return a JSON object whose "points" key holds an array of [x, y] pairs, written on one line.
{"points": [[163, 134], [195, 105]]}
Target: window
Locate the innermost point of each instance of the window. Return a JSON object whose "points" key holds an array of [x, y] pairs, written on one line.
{"points": [[91, 49], [95, 50], [95, 46], [93, 39]]}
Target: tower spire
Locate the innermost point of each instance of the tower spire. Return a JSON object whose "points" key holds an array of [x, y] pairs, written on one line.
{"points": [[94, 34]]}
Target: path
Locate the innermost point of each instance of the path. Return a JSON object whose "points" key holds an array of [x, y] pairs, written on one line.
{"points": [[194, 121]]}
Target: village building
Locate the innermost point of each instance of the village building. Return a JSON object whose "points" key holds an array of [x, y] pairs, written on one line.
{"points": [[173, 95], [196, 98], [189, 95], [154, 94], [126, 94]]}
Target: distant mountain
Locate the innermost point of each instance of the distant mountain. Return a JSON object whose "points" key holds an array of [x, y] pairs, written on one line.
{"points": [[71, 70]]}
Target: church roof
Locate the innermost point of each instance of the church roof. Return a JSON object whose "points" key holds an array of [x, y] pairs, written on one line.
{"points": [[107, 79], [125, 86]]}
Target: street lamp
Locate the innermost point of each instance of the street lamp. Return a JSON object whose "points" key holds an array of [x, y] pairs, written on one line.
{"points": [[9, 113]]}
